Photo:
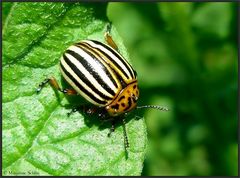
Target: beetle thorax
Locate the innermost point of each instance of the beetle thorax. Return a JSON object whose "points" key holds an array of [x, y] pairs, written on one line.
{"points": [[125, 101]]}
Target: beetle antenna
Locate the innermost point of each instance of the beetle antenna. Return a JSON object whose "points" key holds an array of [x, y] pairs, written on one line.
{"points": [[154, 107]]}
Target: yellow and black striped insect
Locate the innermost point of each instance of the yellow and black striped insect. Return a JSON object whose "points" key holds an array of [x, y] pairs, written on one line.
{"points": [[100, 74]]}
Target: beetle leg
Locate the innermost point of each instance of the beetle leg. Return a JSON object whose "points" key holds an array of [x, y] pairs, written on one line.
{"points": [[69, 91], [73, 111], [137, 118], [104, 120], [126, 143], [108, 37], [42, 84], [53, 82], [112, 129], [83, 108]]}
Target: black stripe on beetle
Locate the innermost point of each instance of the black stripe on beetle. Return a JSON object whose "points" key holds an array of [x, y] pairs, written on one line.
{"points": [[96, 56], [84, 78], [94, 73], [113, 61], [118, 56], [80, 86]]}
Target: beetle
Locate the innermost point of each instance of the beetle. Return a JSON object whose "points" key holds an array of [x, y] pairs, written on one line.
{"points": [[101, 75]]}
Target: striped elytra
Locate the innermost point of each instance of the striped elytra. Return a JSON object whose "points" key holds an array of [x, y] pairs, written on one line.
{"points": [[101, 75]]}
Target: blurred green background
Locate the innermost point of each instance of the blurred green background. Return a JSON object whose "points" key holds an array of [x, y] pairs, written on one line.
{"points": [[186, 58]]}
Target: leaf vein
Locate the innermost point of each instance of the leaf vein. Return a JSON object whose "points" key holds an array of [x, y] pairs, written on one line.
{"points": [[36, 136], [34, 43]]}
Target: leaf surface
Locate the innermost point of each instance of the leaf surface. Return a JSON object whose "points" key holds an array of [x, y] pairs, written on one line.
{"points": [[38, 138]]}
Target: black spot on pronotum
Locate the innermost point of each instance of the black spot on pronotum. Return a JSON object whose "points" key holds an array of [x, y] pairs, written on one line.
{"points": [[134, 86], [129, 101], [122, 97], [123, 105], [116, 106], [129, 104]]}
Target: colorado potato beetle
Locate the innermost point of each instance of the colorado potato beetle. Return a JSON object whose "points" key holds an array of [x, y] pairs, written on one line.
{"points": [[101, 75]]}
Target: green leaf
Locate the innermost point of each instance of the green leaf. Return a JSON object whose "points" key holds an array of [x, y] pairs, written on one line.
{"points": [[6, 7], [38, 137], [220, 13]]}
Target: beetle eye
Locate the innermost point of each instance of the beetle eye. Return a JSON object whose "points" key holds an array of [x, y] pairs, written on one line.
{"points": [[135, 98]]}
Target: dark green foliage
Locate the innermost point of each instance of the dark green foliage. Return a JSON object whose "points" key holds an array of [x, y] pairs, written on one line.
{"points": [[186, 58]]}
